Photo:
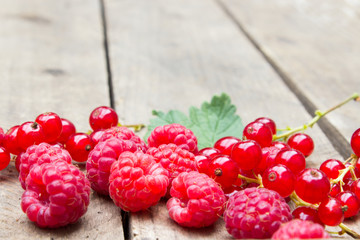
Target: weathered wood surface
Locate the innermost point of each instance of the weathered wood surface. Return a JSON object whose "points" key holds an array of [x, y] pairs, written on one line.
{"points": [[167, 56], [315, 45], [52, 59]]}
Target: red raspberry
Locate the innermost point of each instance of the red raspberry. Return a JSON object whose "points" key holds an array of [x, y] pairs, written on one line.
{"points": [[39, 154], [124, 133], [102, 157], [197, 200], [57, 194], [255, 213], [300, 229], [173, 133], [137, 182], [174, 159]]}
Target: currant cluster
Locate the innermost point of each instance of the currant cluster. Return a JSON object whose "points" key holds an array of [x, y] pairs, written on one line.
{"points": [[327, 195]]}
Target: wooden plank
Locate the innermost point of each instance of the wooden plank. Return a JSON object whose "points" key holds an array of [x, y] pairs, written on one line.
{"points": [[52, 59], [171, 55], [315, 45]]}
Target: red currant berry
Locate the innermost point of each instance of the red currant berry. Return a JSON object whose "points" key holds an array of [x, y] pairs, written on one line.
{"points": [[356, 170], [348, 182], [280, 145], [267, 159], [79, 146], [331, 168], [351, 201], [202, 164], [4, 158], [2, 137], [301, 142], [247, 154], [51, 124], [30, 133], [225, 144], [268, 122], [258, 132], [293, 159], [280, 179], [209, 152], [96, 136], [11, 142], [103, 118], [355, 142], [307, 213], [312, 185], [355, 187], [224, 171], [68, 129], [330, 212], [335, 190]]}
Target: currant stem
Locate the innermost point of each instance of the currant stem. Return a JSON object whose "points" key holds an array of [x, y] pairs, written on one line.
{"points": [[137, 127], [299, 202], [249, 180], [343, 172], [318, 116], [349, 231]]}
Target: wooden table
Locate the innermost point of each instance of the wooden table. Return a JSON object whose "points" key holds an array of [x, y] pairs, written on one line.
{"points": [[276, 58]]}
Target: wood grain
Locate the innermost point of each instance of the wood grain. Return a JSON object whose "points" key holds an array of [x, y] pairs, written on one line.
{"points": [[171, 55], [52, 59], [315, 45]]}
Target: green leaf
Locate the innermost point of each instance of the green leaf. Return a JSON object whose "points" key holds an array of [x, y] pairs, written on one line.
{"points": [[211, 122]]}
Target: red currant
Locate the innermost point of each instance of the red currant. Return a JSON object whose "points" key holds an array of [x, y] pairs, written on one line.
{"points": [[268, 122], [2, 137], [348, 182], [224, 171], [79, 146], [202, 164], [335, 190], [351, 201], [307, 213], [312, 185], [4, 158], [51, 124], [331, 168], [280, 179], [96, 136], [330, 212], [355, 142], [267, 159], [103, 117], [293, 159], [209, 152], [68, 129], [247, 154], [30, 133], [225, 144], [301, 142], [11, 142], [355, 187], [258, 132], [280, 145]]}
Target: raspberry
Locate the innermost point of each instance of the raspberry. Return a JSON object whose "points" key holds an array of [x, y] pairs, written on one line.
{"points": [[174, 159], [137, 182], [124, 133], [57, 194], [39, 154], [300, 229], [255, 213], [100, 159], [197, 200], [173, 133]]}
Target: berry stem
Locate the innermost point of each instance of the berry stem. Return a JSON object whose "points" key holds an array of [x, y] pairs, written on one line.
{"points": [[299, 202], [342, 174], [349, 231], [250, 180], [318, 116]]}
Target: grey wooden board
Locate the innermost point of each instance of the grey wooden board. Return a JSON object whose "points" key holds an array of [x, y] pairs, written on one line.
{"points": [[171, 55], [52, 59], [315, 43]]}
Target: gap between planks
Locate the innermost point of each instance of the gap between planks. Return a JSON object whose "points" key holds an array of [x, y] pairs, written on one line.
{"points": [[337, 140]]}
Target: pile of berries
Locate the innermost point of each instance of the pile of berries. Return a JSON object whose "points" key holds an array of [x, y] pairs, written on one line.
{"points": [[248, 181]]}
